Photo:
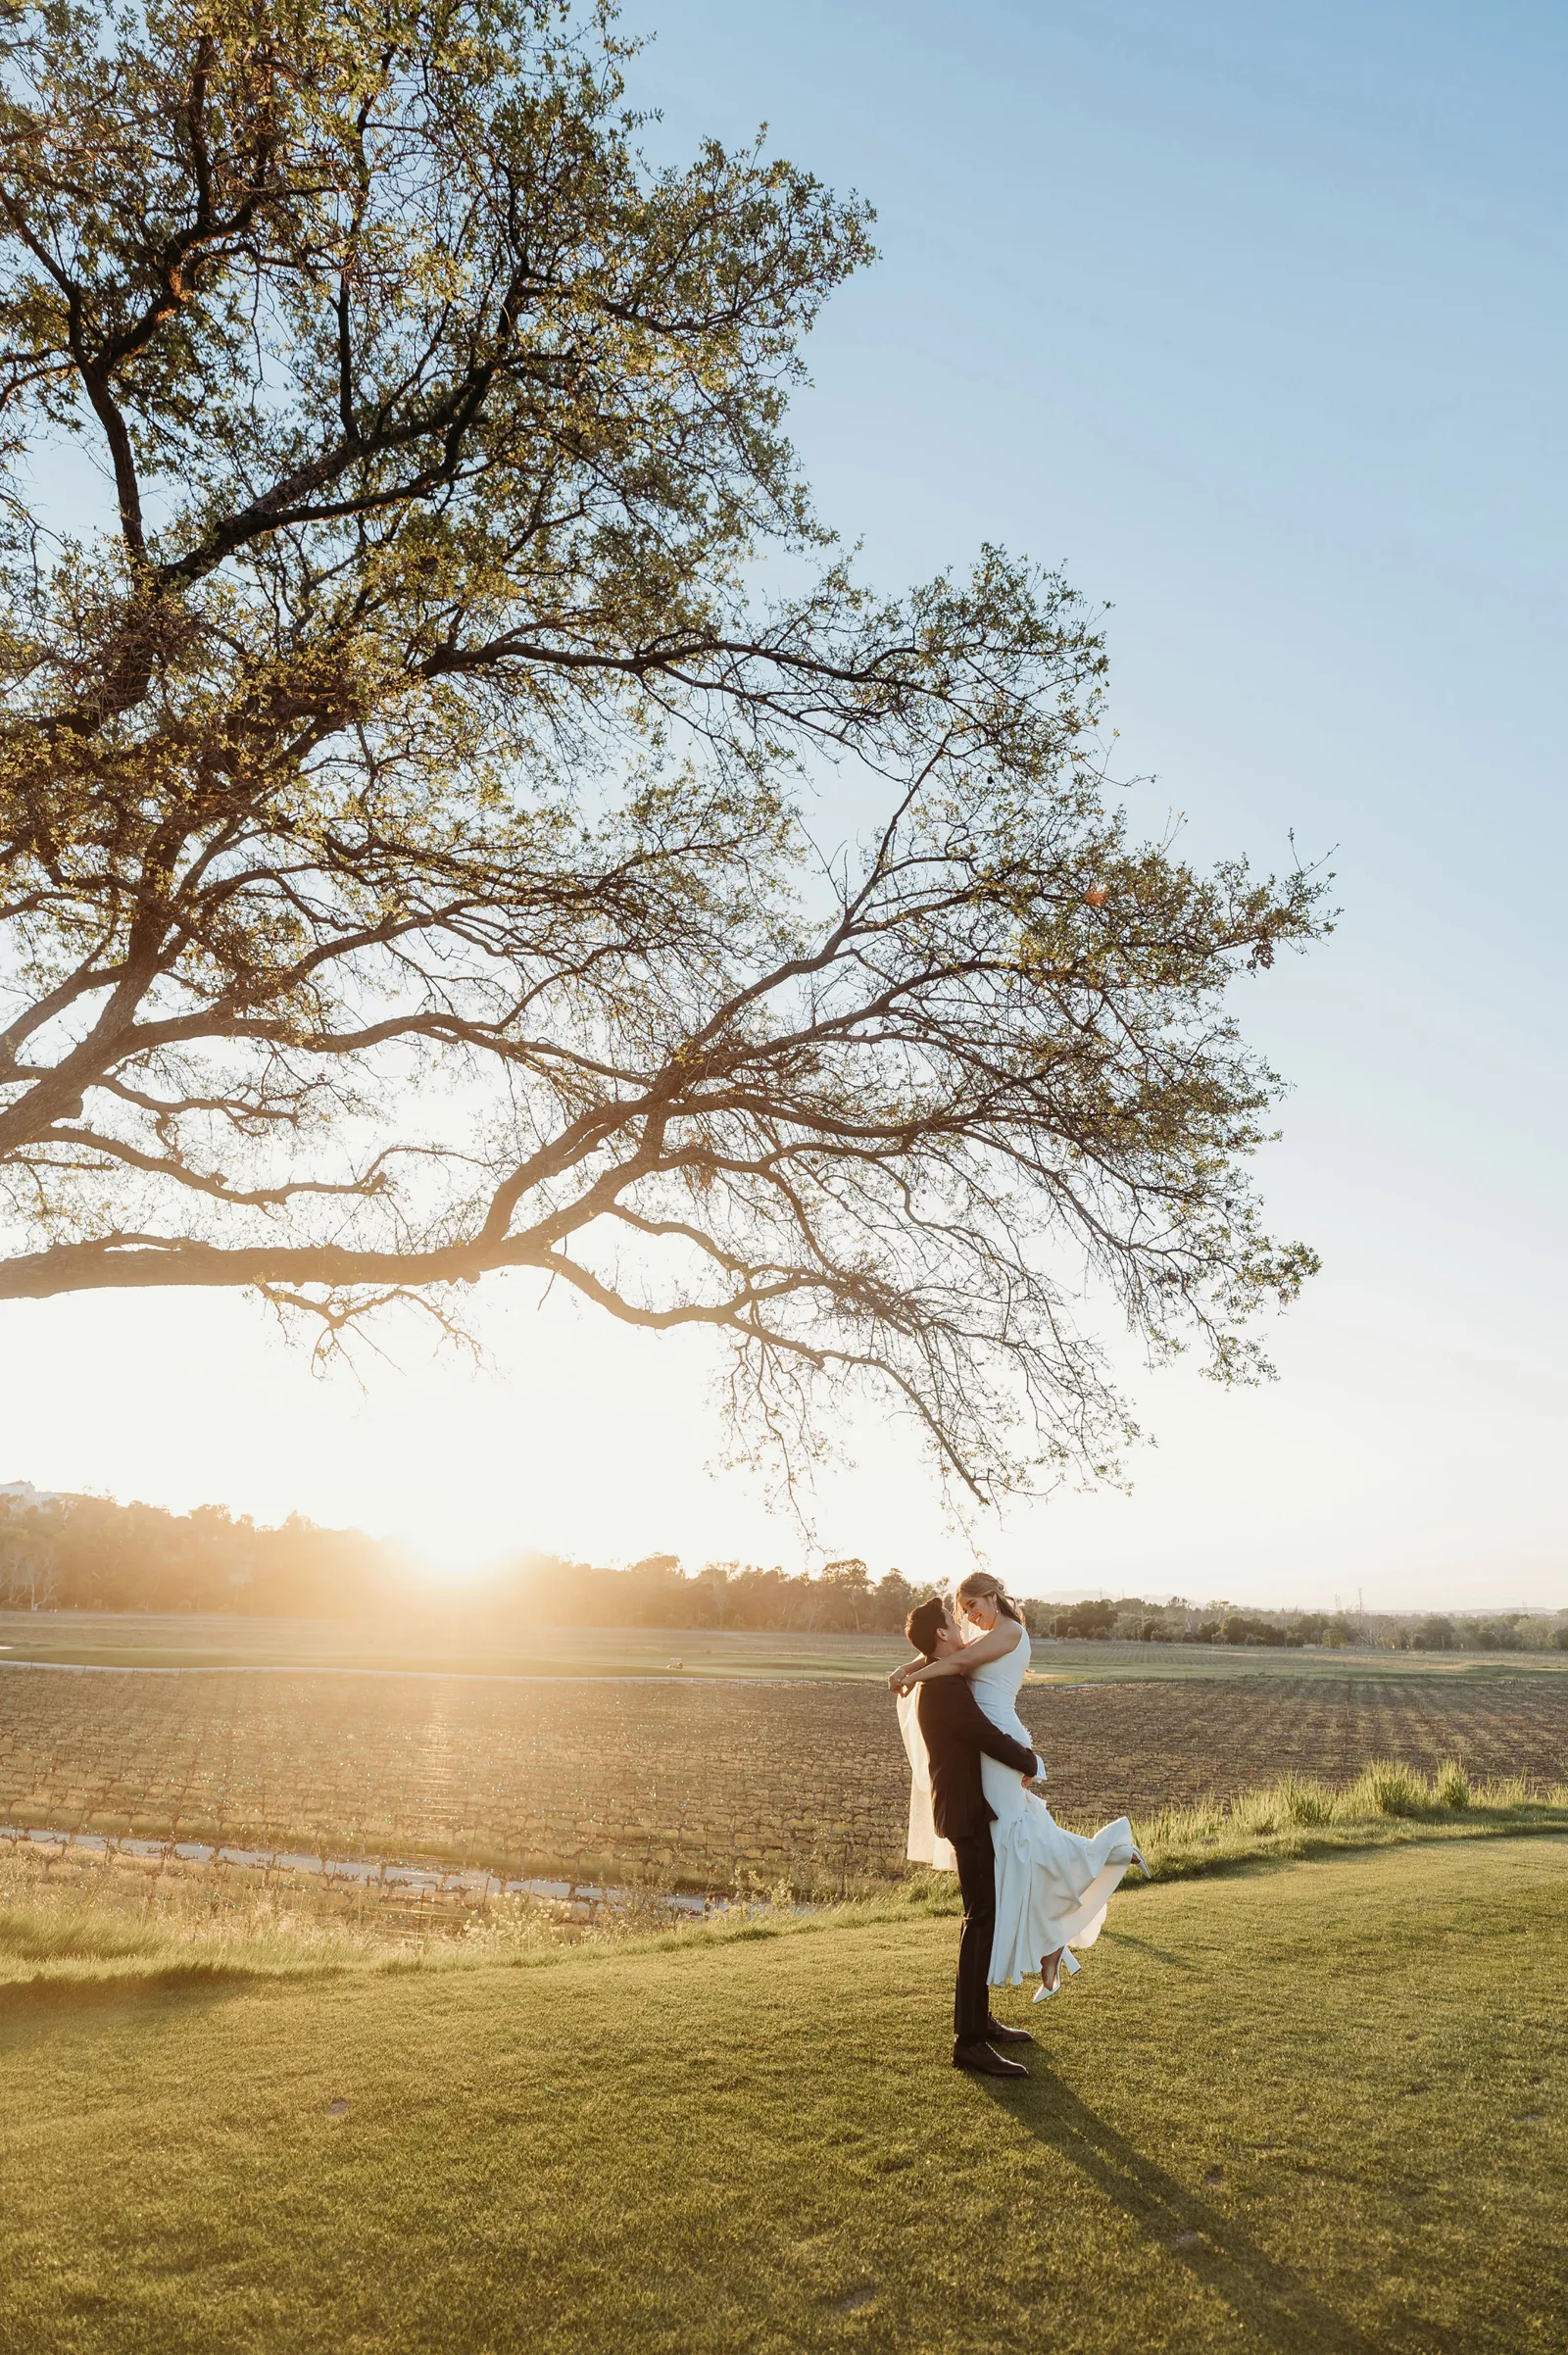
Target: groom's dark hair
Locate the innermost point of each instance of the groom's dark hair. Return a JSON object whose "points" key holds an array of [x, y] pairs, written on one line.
{"points": [[922, 1624]]}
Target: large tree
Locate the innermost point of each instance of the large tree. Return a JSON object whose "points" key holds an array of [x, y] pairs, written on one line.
{"points": [[423, 834]]}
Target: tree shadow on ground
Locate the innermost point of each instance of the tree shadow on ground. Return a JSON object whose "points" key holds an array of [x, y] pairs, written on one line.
{"points": [[53, 1999], [1273, 2303]]}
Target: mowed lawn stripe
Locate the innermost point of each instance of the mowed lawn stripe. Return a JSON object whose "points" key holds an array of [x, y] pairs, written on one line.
{"points": [[1318, 2107]]}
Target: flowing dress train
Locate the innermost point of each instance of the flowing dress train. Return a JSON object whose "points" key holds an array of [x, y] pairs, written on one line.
{"points": [[1052, 1886]]}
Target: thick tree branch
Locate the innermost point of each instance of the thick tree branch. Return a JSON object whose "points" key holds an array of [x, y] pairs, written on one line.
{"points": [[407, 876]]}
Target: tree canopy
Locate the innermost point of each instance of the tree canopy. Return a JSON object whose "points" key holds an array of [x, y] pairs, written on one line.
{"points": [[430, 703]]}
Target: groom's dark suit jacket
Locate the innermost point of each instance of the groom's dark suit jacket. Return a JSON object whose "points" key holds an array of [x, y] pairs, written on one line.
{"points": [[957, 1732]]}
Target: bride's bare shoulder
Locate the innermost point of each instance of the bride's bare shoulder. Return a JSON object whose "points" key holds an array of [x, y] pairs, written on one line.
{"points": [[999, 1642]]}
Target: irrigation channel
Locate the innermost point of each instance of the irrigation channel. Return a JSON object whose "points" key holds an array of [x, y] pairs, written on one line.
{"points": [[587, 1897]]}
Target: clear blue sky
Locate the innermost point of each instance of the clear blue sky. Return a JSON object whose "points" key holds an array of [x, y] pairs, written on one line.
{"points": [[1256, 319]]}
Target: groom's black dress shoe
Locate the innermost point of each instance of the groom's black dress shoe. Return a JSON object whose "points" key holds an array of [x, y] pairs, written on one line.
{"points": [[996, 2033], [984, 2062]]}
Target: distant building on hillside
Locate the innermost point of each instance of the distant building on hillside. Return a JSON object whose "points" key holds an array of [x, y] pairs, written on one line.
{"points": [[23, 1492]]}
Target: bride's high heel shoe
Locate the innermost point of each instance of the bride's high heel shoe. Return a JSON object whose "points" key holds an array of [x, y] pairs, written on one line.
{"points": [[1043, 1993]]}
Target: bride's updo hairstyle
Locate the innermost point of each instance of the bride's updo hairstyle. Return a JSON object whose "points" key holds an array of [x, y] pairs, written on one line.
{"points": [[981, 1586], [922, 1625]]}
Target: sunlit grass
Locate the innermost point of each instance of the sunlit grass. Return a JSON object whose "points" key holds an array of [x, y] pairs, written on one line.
{"points": [[1300, 1816], [78, 1914], [750, 2136]]}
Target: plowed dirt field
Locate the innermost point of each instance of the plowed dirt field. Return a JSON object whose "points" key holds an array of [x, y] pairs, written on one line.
{"points": [[681, 1784]]}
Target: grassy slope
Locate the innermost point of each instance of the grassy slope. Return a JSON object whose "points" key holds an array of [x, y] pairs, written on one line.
{"points": [[450, 1643], [1314, 2108]]}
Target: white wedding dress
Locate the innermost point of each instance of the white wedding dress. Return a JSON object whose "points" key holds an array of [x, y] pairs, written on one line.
{"points": [[1053, 1886]]}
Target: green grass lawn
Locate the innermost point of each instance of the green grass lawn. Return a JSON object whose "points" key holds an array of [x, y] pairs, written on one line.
{"points": [[1314, 2107], [453, 1642]]}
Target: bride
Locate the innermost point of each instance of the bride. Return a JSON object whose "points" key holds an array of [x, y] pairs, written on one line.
{"points": [[1053, 1886]]}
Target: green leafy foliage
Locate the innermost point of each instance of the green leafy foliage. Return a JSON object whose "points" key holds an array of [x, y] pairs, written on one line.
{"points": [[412, 807]]}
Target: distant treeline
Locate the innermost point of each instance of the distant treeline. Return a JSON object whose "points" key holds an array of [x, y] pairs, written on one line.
{"points": [[87, 1554], [1178, 1622], [843, 1596]]}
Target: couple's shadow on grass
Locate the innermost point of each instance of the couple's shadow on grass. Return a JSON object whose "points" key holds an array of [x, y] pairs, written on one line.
{"points": [[1182, 2229]]}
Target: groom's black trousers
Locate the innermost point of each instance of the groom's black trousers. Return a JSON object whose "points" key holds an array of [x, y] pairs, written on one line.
{"points": [[977, 1879]]}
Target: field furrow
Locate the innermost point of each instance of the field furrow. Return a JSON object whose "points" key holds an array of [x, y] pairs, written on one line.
{"points": [[699, 1784]]}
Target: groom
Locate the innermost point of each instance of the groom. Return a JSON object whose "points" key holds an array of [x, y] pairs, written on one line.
{"points": [[958, 1732]]}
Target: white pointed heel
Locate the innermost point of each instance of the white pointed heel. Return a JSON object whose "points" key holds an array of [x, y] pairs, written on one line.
{"points": [[1070, 1963], [1043, 1993]]}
